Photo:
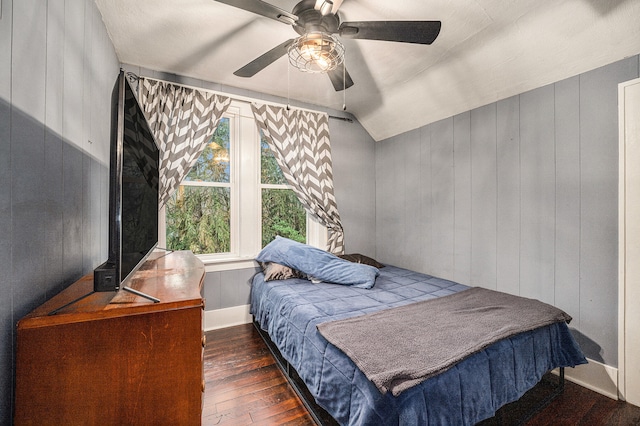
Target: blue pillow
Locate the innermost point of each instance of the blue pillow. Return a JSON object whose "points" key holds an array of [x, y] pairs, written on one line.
{"points": [[318, 264]]}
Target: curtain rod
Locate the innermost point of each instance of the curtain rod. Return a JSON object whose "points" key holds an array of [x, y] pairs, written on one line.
{"points": [[134, 76]]}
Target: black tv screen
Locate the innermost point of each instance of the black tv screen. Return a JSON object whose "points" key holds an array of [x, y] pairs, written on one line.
{"points": [[133, 190], [139, 187]]}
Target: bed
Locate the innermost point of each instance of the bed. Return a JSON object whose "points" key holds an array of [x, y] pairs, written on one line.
{"points": [[290, 310]]}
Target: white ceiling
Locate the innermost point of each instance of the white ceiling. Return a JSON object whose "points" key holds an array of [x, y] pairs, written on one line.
{"points": [[487, 50]]}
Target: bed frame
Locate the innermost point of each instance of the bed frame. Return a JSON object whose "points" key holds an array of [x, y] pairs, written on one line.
{"points": [[323, 418], [319, 414]]}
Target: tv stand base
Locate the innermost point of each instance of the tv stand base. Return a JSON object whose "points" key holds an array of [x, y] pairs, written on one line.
{"points": [[141, 294]]}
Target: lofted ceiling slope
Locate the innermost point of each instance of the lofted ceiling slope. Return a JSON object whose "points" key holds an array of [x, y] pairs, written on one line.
{"points": [[487, 50]]}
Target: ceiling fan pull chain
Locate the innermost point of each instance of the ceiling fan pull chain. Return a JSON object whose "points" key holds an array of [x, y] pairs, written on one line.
{"points": [[344, 83], [288, 85]]}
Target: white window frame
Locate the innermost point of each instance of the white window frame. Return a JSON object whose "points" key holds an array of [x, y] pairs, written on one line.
{"points": [[246, 196]]}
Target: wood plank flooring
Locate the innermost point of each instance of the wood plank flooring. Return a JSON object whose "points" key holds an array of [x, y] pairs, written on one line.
{"points": [[245, 387]]}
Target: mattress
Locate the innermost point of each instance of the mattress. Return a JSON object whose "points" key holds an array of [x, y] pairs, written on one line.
{"points": [[471, 391]]}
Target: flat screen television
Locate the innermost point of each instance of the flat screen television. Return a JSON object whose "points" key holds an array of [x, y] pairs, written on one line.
{"points": [[133, 190]]}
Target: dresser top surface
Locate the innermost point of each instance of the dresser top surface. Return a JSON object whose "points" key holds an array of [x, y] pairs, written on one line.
{"points": [[175, 278]]}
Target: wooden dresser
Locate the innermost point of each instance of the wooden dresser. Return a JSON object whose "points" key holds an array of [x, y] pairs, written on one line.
{"points": [[115, 360]]}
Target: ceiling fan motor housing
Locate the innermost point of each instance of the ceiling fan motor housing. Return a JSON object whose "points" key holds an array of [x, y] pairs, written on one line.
{"points": [[312, 20]]}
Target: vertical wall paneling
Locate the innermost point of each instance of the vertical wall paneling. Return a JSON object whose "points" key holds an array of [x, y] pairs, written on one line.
{"points": [[211, 291], [73, 71], [227, 289], [55, 67], [462, 200], [103, 57], [28, 71], [6, 313], [73, 133], [508, 196], [535, 202], [229, 286], [104, 213], [27, 157], [380, 189], [91, 208], [567, 238], [96, 243], [5, 50], [388, 202], [43, 71], [537, 179], [442, 198], [235, 287], [413, 199], [383, 188], [87, 206], [424, 222], [353, 156], [52, 185], [72, 167], [483, 197], [599, 201], [87, 73], [95, 60], [398, 197]]}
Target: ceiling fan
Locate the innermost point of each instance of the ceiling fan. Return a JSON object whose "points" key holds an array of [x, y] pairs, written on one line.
{"points": [[317, 50]]}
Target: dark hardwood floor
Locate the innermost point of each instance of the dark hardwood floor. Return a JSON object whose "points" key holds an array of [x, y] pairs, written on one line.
{"points": [[245, 387], [243, 383]]}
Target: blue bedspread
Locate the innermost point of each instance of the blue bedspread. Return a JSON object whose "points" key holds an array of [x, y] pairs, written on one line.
{"points": [[471, 391]]}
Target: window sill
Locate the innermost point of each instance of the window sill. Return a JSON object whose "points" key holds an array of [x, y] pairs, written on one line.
{"points": [[216, 263]]}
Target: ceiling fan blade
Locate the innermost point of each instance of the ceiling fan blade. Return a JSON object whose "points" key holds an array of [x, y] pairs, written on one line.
{"points": [[262, 8], [336, 6], [421, 32], [336, 77], [264, 60]]}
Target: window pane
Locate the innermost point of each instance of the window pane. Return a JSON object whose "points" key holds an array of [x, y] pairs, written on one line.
{"points": [[198, 219], [282, 214], [214, 164], [270, 172]]}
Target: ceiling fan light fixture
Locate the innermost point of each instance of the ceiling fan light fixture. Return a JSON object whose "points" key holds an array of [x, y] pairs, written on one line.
{"points": [[316, 52]]}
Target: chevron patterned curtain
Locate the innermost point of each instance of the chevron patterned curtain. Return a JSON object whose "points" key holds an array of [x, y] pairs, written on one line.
{"points": [[300, 143], [183, 121]]}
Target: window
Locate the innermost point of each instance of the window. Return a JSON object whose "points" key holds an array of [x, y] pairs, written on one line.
{"points": [[235, 199], [198, 215], [282, 212]]}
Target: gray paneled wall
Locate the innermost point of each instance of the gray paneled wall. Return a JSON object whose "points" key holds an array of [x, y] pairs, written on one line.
{"points": [[57, 69], [226, 289], [519, 196], [353, 155]]}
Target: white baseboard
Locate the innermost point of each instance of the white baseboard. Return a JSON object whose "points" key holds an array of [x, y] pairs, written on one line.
{"points": [[227, 317], [595, 376]]}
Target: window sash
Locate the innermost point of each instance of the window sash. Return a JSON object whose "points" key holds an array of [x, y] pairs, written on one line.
{"points": [[209, 184]]}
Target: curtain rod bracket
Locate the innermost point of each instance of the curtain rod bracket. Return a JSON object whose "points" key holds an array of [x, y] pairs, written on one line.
{"points": [[132, 76], [347, 119]]}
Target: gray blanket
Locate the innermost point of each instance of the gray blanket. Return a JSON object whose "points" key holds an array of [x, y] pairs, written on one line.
{"points": [[400, 347]]}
